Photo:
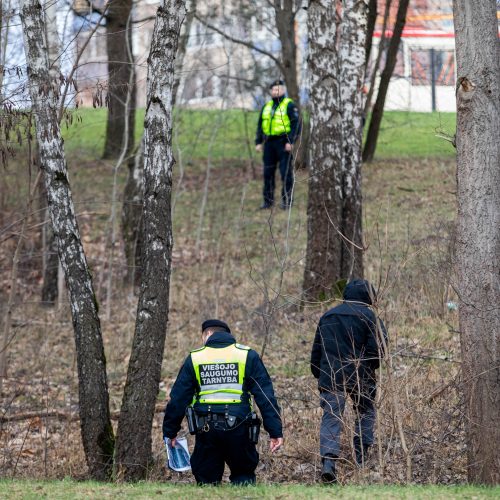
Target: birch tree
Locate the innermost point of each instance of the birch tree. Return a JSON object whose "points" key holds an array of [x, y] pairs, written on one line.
{"points": [[478, 229], [50, 266], [133, 446], [96, 429], [337, 47]]}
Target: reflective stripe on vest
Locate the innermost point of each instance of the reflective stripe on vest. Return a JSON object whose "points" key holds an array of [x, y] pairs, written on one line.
{"points": [[277, 123], [220, 373]]}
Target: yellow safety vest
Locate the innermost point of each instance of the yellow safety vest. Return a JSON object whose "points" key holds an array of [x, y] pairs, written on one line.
{"points": [[277, 123], [220, 373]]}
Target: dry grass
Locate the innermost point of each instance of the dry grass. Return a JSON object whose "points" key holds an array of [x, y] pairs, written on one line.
{"points": [[248, 271]]}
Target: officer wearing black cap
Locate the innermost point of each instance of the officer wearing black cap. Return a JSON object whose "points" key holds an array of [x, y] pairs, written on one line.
{"points": [[277, 130], [214, 389]]}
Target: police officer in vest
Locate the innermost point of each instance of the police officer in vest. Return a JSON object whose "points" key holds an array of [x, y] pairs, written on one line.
{"points": [[277, 130], [214, 389]]}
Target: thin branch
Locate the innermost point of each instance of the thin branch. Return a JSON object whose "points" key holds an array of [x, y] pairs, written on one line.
{"points": [[75, 66], [251, 46]]}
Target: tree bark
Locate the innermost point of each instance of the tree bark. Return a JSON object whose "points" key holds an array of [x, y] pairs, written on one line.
{"points": [[285, 12], [324, 206], [352, 75], [120, 67], [49, 244], [478, 229], [372, 19], [97, 433], [385, 78], [133, 448], [182, 47], [334, 212], [376, 65], [285, 23], [132, 229]]}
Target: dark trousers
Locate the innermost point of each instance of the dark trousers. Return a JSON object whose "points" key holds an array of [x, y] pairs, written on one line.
{"points": [[217, 447], [333, 404], [275, 154]]}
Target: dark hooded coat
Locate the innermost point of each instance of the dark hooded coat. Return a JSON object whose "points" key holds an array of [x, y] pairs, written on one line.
{"points": [[347, 346]]}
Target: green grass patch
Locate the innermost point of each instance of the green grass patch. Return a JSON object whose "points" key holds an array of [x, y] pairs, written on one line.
{"points": [[229, 134], [86, 489], [406, 134]]}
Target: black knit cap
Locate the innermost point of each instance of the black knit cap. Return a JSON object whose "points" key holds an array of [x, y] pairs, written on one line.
{"points": [[276, 82], [214, 323]]}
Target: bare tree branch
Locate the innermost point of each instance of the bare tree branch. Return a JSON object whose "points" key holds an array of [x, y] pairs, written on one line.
{"points": [[250, 45]]}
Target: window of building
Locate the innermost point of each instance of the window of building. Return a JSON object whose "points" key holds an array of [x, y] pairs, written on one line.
{"points": [[425, 62]]}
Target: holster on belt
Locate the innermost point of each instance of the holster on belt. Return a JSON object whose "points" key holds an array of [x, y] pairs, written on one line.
{"points": [[254, 428]]}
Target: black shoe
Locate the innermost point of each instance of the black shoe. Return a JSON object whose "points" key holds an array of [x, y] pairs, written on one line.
{"points": [[328, 473], [264, 206], [285, 207]]}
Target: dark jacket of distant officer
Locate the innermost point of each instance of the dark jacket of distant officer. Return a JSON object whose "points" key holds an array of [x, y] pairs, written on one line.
{"points": [[348, 345], [277, 129], [218, 380]]}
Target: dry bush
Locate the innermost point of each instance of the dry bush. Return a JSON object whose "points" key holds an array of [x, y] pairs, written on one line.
{"points": [[248, 271]]}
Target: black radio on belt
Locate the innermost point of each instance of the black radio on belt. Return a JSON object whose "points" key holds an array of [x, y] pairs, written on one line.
{"points": [[254, 428], [192, 420]]}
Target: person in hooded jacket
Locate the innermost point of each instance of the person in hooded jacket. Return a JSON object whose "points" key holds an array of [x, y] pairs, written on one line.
{"points": [[277, 130], [218, 381], [347, 349]]}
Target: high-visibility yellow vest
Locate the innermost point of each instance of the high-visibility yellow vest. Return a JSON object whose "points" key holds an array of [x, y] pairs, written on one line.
{"points": [[220, 373], [277, 123]]}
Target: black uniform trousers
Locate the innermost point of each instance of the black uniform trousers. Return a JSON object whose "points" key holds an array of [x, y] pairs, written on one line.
{"points": [[219, 446], [275, 154]]}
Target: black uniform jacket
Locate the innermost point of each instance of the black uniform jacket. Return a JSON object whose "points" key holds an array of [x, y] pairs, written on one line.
{"points": [[345, 350], [293, 115], [256, 381]]}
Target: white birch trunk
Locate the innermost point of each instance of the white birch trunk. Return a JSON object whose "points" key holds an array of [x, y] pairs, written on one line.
{"points": [[97, 433], [133, 447], [336, 66], [352, 75], [478, 230]]}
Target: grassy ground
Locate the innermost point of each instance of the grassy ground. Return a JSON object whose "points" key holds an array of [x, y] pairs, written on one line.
{"points": [[68, 489], [230, 134], [246, 266]]}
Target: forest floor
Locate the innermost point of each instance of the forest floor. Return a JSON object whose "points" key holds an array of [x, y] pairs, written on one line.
{"points": [[245, 266]]}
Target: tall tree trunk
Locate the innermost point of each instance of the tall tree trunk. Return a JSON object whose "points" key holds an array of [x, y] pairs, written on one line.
{"points": [[120, 67], [352, 75], [380, 51], [334, 211], [133, 447], [97, 432], [478, 233], [324, 206], [385, 78], [49, 244], [372, 20], [132, 230], [182, 47], [285, 23]]}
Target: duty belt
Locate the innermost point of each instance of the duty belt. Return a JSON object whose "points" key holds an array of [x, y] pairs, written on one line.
{"points": [[228, 421]]}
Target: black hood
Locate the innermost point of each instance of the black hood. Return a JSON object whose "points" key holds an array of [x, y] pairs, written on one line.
{"points": [[360, 291]]}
